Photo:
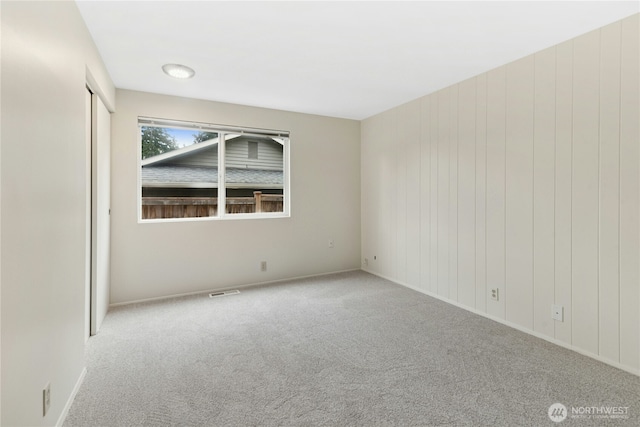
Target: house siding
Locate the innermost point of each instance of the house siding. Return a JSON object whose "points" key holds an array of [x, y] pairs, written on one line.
{"points": [[237, 156], [269, 155], [203, 158]]}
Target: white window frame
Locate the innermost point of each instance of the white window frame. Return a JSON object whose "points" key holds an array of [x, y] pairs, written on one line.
{"points": [[222, 131]]}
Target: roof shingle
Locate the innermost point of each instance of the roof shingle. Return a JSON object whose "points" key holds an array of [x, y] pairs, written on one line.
{"points": [[188, 174]]}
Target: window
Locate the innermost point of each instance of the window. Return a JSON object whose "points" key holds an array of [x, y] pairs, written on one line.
{"points": [[197, 170], [252, 149]]}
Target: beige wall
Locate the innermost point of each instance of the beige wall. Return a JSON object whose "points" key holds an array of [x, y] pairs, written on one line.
{"points": [[159, 259], [46, 52], [525, 178]]}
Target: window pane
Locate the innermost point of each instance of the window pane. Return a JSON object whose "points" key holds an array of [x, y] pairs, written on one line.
{"points": [[181, 177], [253, 149], [254, 174], [179, 172]]}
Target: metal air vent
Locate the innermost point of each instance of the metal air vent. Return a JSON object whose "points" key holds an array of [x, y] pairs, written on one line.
{"points": [[223, 293]]}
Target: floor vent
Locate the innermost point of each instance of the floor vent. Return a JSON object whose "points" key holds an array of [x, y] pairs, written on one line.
{"points": [[223, 293]]}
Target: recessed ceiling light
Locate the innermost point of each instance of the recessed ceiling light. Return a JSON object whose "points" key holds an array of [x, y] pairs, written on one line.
{"points": [[178, 71]]}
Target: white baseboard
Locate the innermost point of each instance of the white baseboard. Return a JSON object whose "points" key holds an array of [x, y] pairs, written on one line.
{"points": [[67, 406], [514, 326], [228, 288]]}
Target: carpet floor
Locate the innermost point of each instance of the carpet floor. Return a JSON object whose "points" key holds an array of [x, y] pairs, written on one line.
{"points": [[349, 349]]}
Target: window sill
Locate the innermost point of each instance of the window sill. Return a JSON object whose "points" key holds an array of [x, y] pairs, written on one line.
{"points": [[227, 217]]}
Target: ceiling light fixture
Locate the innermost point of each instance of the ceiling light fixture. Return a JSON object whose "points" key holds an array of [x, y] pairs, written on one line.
{"points": [[178, 71]]}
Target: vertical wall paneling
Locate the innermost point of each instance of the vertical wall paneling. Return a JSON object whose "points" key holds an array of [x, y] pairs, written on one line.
{"points": [[377, 186], [425, 196], [388, 247], [466, 239], [629, 196], [399, 132], [367, 200], [390, 131], [444, 129], [368, 231], [563, 168], [609, 193], [435, 175], [481, 192], [496, 189], [586, 64], [412, 124], [381, 252], [373, 177], [519, 192], [544, 137], [371, 203], [524, 179], [453, 195]]}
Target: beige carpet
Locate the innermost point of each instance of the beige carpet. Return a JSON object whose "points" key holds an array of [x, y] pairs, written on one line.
{"points": [[341, 350]]}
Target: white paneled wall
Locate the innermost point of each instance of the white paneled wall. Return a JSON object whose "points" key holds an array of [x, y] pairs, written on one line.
{"points": [[525, 179], [629, 178], [496, 189]]}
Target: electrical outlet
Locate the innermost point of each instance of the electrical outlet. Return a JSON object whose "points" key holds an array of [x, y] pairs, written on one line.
{"points": [[495, 294], [46, 399], [557, 313], [331, 244], [263, 266], [366, 261]]}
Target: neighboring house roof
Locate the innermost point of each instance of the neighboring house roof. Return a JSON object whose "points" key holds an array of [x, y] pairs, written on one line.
{"points": [[207, 177], [168, 170], [190, 150]]}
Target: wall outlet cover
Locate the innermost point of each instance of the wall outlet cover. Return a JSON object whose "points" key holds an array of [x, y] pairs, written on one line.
{"points": [[557, 313]]}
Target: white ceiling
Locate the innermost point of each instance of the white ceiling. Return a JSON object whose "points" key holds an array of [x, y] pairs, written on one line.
{"points": [[340, 59]]}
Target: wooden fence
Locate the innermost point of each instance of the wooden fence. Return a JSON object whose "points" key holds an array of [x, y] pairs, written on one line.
{"points": [[193, 207]]}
